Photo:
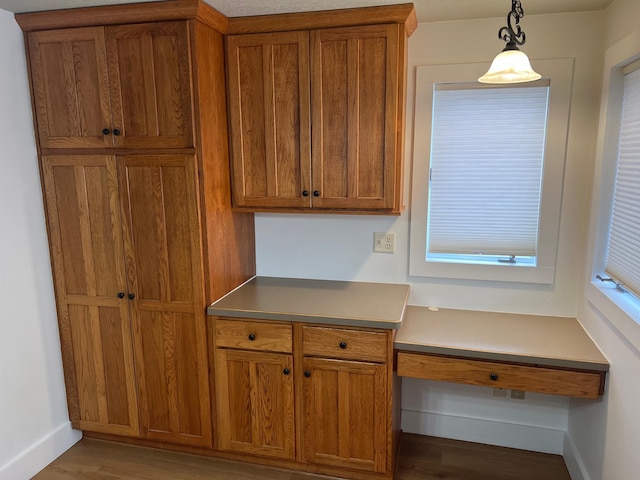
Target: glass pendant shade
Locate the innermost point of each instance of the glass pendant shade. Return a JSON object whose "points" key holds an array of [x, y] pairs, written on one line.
{"points": [[510, 66]]}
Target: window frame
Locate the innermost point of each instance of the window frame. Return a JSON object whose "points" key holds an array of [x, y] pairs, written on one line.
{"points": [[560, 73], [620, 308]]}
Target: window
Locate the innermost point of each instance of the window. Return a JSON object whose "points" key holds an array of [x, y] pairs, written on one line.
{"points": [[615, 226], [622, 255], [487, 174]]}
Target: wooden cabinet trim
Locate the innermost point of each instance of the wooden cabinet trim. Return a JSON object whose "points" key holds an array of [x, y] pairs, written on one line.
{"points": [[124, 14], [403, 14]]}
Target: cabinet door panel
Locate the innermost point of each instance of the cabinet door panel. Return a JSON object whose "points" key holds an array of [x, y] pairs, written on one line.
{"points": [[355, 79], [88, 263], [344, 416], [149, 74], [255, 402], [269, 117], [71, 88], [164, 267]]}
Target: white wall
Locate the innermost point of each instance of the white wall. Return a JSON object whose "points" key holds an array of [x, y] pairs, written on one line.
{"points": [[340, 247], [606, 434], [34, 424]]}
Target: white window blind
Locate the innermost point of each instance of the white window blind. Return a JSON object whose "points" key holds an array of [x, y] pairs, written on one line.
{"points": [[623, 246], [487, 152]]}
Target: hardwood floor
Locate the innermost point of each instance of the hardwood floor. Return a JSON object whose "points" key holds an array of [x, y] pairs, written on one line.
{"points": [[421, 458]]}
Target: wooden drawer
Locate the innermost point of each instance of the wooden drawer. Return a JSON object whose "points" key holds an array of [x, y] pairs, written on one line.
{"points": [[502, 375], [253, 335], [344, 344]]}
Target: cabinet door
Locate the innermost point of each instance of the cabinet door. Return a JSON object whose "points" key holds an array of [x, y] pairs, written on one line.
{"points": [[88, 265], [268, 77], [70, 87], [255, 402], [149, 75], [164, 267], [355, 75], [345, 415]]}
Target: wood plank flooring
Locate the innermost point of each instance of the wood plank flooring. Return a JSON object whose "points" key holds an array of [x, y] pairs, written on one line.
{"points": [[421, 458]]}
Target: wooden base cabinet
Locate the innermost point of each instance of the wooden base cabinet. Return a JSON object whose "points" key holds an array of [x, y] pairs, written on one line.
{"points": [[345, 418], [319, 397]]}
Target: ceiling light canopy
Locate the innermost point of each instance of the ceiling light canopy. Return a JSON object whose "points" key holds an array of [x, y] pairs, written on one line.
{"points": [[511, 65]]}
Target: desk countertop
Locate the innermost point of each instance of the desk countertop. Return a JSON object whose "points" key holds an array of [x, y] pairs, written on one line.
{"points": [[358, 304], [529, 339]]}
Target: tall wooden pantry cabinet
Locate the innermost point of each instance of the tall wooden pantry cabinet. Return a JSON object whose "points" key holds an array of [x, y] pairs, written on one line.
{"points": [[130, 116]]}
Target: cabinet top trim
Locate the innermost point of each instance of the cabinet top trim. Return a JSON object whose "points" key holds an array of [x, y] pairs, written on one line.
{"points": [[129, 13], [402, 13]]}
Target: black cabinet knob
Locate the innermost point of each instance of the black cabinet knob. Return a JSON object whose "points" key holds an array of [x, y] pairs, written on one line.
{"points": [[316, 193], [252, 336], [343, 345], [116, 132], [307, 373], [106, 131], [286, 371], [493, 376], [132, 296], [305, 193], [120, 294]]}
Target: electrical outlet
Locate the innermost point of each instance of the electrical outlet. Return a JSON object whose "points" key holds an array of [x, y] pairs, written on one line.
{"points": [[500, 392], [384, 242], [517, 394]]}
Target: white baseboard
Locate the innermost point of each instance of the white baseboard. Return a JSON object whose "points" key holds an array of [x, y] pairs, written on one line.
{"points": [[491, 432], [573, 460], [41, 453]]}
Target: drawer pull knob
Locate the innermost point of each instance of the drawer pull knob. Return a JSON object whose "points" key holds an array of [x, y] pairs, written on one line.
{"points": [[252, 336], [307, 373], [343, 345], [316, 193], [493, 376], [286, 371], [305, 193], [120, 294], [132, 296], [106, 131]]}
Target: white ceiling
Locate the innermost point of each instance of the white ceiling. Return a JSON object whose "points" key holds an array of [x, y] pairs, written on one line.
{"points": [[427, 10]]}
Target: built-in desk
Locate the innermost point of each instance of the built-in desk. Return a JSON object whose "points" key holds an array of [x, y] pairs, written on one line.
{"points": [[552, 355]]}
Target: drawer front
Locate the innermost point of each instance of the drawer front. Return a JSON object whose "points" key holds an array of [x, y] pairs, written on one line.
{"points": [[344, 344], [252, 335], [501, 375]]}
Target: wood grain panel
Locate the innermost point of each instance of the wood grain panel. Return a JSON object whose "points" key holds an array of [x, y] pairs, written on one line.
{"points": [[358, 344], [268, 336], [228, 236], [255, 401], [344, 423], [475, 372], [268, 78], [162, 250], [150, 83], [355, 96], [70, 87], [88, 264]]}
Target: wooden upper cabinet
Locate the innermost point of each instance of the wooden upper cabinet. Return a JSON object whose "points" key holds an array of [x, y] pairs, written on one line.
{"points": [[149, 74], [71, 87], [270, 119], [350, 83], [86, 246], [355, 77], [121, 86]]}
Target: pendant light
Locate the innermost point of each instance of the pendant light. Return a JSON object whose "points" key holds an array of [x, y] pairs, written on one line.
{"points": [[512, 65]]}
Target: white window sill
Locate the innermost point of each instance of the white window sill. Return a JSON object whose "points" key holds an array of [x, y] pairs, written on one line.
{"points": [[620, 308]]}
